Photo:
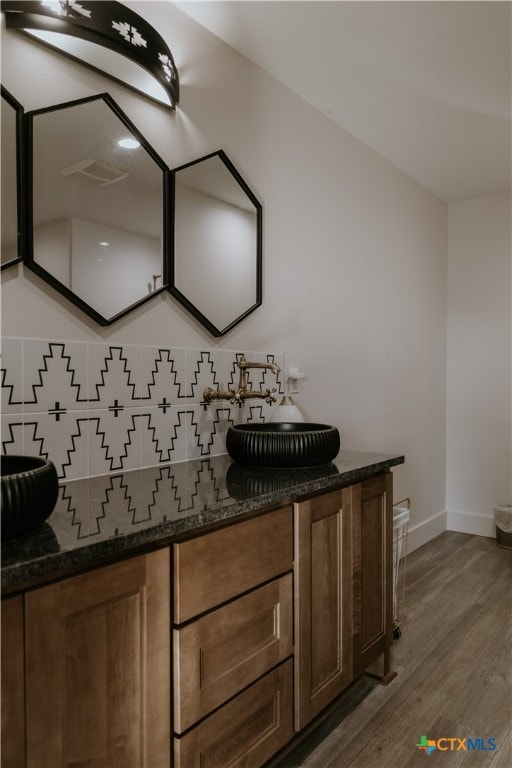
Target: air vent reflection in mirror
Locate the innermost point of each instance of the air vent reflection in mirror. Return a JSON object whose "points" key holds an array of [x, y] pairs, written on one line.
{"points": [[100, 174]]}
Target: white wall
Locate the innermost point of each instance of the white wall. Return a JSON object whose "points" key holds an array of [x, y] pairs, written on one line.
{"points": [[479, 424], [355, 252]]}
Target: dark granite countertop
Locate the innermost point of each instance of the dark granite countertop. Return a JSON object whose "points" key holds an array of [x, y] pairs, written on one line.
{"points": [[101, 519]]}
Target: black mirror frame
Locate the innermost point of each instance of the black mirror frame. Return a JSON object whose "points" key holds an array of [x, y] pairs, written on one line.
{"points": [[20, 176], [174, 291], [29, 257]]}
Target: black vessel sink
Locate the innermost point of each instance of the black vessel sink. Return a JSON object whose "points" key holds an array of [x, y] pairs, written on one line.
{"points": [[283, 444], [29, 493]]}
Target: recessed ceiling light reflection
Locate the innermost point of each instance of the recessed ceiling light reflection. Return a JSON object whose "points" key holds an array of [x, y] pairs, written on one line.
{"points": [[128, 143]]}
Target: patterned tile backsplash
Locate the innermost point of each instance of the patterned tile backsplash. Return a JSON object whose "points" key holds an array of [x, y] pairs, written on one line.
{"points": [[94, 408]]}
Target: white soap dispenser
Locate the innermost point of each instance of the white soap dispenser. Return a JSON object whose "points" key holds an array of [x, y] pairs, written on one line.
{"points": [[287, 410]]}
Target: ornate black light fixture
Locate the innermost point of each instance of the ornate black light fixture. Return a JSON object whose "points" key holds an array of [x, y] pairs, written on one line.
{"points": [[95, 32]]}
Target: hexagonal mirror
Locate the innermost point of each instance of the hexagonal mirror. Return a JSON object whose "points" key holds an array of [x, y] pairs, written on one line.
{"points": [[97, 231], [11, 232], [216, 264]]}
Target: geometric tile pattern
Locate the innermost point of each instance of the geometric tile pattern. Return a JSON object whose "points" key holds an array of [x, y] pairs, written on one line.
{"points": [[97, 409]]}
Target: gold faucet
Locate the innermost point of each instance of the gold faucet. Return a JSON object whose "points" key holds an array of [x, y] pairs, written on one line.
{"points": [[243, 393]]}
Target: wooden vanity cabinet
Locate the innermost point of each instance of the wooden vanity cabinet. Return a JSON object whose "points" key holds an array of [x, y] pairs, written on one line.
{"points": [[372, 525], [233, 643], [270, 618], [323, 601], [97, 668]]}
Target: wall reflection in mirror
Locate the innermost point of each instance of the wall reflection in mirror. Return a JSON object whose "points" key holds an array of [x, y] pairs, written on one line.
{"points": [[98, 192], [216, 265], [11, 115]]}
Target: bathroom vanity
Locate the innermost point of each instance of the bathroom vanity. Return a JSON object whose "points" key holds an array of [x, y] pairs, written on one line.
{"points": [[199, 614]]}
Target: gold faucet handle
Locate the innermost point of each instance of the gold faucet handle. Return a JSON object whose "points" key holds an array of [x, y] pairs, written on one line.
{"points": [[235, 398], [270, 395]]}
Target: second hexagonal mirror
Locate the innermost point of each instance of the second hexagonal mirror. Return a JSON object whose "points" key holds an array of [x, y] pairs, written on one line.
{"points": [[216, 261], [97, 231]]}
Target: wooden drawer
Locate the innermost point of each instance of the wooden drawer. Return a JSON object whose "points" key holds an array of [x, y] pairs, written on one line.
{"points": [[221, 653], [246, 731], [214, 568]]}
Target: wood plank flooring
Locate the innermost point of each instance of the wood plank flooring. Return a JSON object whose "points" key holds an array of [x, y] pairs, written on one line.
{"points": [[454, 664]]}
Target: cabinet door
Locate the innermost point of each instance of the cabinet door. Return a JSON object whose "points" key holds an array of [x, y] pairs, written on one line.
{"points": [[13, 684], [323, 602], [373, 577], [98, 668]]}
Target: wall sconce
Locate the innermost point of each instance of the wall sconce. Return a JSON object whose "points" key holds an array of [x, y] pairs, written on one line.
{"points": [[106, 36]]}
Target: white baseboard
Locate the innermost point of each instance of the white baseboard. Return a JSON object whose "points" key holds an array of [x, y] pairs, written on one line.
{"points": [[426, 531], [467, 522], [462, 522]]}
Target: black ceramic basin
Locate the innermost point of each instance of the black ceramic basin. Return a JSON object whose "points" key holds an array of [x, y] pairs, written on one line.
{"points": [[283, 444], [29, 493]]}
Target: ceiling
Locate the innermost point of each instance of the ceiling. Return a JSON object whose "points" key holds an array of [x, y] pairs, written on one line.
{"points": [[425, 84]]}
